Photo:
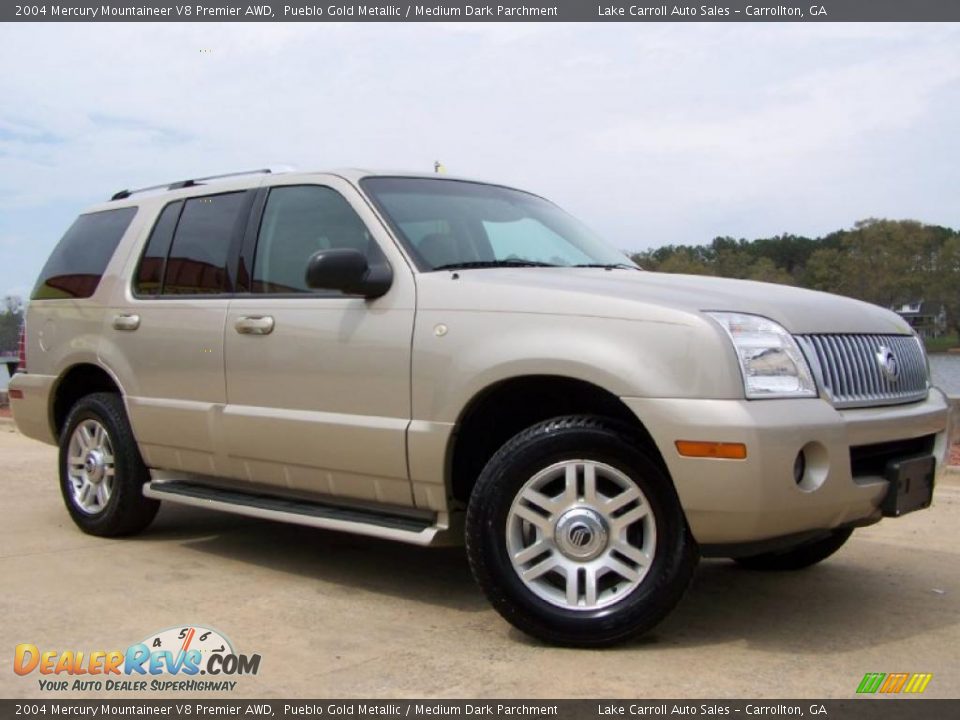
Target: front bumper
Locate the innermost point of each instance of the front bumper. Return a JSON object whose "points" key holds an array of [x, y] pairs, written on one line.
{"points": [[745, 501]]}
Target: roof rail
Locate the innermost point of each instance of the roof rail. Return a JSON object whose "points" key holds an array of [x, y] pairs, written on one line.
{"points": [[178, 184]]}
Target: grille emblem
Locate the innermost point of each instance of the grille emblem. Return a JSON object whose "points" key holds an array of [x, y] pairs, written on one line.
{"points": [[888, 364]]}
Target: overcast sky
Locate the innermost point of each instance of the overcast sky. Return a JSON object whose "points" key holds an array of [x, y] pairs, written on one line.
{"points": [[651, 133]]}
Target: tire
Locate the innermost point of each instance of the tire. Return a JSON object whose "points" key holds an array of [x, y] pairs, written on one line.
{"points": [[799, 557], [583, 543], [103, 498]]}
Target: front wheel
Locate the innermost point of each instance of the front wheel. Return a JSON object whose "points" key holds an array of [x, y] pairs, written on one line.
{"points": [[576, 536], [101, 471]]}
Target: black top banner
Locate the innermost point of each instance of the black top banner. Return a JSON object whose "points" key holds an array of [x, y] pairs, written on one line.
{"points": [[477, 11]]}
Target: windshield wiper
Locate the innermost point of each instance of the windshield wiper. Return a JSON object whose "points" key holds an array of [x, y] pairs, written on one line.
{"points": [[608, 266], [492, 264]]}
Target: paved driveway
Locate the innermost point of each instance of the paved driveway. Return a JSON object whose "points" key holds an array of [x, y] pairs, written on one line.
{"points": [[335, 615]]}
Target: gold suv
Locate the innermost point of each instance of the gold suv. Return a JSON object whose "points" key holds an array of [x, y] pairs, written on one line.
{"points": [[429, 359]]}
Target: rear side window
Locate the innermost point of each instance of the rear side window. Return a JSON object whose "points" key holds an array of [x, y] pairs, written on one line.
{"points": [[150, 272], [197, 261], [77, 263]]}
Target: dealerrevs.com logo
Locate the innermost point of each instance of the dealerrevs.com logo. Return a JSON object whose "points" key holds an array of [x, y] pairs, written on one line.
{"points": [[171, 660]]}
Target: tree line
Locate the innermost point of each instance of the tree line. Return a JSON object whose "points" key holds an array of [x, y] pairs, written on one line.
{"points": [[11, 316], [885, 262]]}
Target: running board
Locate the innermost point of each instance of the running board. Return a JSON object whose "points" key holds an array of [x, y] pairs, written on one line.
{"points": [[404, 528]]}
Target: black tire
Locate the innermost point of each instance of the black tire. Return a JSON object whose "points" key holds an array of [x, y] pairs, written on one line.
{"points": [[127, 511], [519, 460], [799, 557]]}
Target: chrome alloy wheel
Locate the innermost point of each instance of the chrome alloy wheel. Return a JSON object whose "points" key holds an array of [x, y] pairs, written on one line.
{"points": [[90, 466], [581, 535]]}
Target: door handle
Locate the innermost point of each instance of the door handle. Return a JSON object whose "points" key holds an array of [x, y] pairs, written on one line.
{"points": [[254, 325], [128, 323]]}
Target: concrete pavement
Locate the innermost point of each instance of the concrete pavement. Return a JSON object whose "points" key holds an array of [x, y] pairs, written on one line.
{"points": [[340, 616]]}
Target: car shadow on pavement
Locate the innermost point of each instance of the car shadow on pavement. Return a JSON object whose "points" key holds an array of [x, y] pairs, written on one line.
{"points": [[849, 602], [437, 576], [841, 605]]}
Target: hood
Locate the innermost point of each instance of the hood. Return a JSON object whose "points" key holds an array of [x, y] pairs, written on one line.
{"points": [[641, 295]]}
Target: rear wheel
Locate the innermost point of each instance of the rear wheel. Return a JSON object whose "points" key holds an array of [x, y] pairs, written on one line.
{"points": [[800, 556], [101, 471], [576, 536]]}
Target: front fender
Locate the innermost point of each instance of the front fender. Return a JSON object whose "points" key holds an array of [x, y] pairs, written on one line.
{"points": [[472, 351]]}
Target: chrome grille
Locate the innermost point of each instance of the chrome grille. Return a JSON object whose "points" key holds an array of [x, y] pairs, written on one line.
{"points": [[851, 370]]}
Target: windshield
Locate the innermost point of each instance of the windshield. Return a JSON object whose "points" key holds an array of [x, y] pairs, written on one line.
{"points": [[447, 224]]}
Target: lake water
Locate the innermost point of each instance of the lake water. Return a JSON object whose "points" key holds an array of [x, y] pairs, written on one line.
{"points": [[944, 367]]}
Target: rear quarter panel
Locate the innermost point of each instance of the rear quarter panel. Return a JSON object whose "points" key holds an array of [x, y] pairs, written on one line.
{"points": [[66, 332]]}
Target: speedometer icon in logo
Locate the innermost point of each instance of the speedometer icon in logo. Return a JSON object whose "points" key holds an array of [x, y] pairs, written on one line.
{"points": [[183, 639]]}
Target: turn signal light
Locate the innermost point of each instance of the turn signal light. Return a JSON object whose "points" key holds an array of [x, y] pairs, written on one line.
{"points": [[726, 451]]}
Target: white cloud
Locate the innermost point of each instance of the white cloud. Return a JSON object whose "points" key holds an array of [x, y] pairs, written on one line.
{"points": [[652, 132]]}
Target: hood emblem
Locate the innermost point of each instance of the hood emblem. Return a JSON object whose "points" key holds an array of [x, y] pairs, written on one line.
{"points": [[889, 365]]}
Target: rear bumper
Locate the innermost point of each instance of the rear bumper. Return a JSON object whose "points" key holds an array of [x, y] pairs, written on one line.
{"points": [[744, 501], [31, 411]]}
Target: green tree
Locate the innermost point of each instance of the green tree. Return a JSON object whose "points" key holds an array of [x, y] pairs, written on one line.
{"points": [[11, 317], [683, 262], [945, 285], [827, 270], [765, 270]]}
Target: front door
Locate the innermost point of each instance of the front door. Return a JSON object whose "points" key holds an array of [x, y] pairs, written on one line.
{"points": [[318, 383]]}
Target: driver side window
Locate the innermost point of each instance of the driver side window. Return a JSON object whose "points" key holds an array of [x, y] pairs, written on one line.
{"points": [[298, 221]]}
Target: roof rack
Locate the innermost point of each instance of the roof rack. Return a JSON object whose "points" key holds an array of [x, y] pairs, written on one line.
{"points": [[177, 185]]}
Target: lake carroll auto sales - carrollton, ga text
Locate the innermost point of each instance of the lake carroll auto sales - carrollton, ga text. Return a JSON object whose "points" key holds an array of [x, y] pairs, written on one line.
{"points": [[708, 11]]}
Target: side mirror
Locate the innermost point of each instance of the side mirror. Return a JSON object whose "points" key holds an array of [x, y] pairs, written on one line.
{"points": [[347, 270]]}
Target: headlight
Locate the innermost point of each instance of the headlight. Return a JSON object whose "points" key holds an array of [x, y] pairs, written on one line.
{"points": [[771, 362]]}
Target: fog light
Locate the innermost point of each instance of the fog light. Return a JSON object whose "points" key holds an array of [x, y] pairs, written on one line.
{"points": [[811, 467], [799, 467]]}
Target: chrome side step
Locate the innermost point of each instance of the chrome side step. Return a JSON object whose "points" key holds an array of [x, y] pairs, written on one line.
{"points": [[404, 528]]}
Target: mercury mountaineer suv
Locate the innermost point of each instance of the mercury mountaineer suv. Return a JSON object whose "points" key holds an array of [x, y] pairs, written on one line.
{"points": [[429, 359]]}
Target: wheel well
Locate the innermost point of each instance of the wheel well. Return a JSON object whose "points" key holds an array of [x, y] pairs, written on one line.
{"points": [[77, 382], [508, 407]]}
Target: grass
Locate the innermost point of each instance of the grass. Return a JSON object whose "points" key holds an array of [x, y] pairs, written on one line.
{"points": [[941, 344]]}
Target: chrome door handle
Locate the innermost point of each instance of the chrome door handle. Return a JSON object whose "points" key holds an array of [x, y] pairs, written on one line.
{"points": [[126, 322], [254, 325]]}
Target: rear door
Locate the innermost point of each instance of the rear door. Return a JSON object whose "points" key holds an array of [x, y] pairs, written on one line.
{"points": [[164, 340], [318, 383]]}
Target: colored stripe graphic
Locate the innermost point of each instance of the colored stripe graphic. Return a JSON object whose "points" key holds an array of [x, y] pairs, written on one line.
{"points": [[918, 682], [871, 682], [894, 683]]}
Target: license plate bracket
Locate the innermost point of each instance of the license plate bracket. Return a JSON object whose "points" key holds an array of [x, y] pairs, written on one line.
{"points": [[911, 485]]}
